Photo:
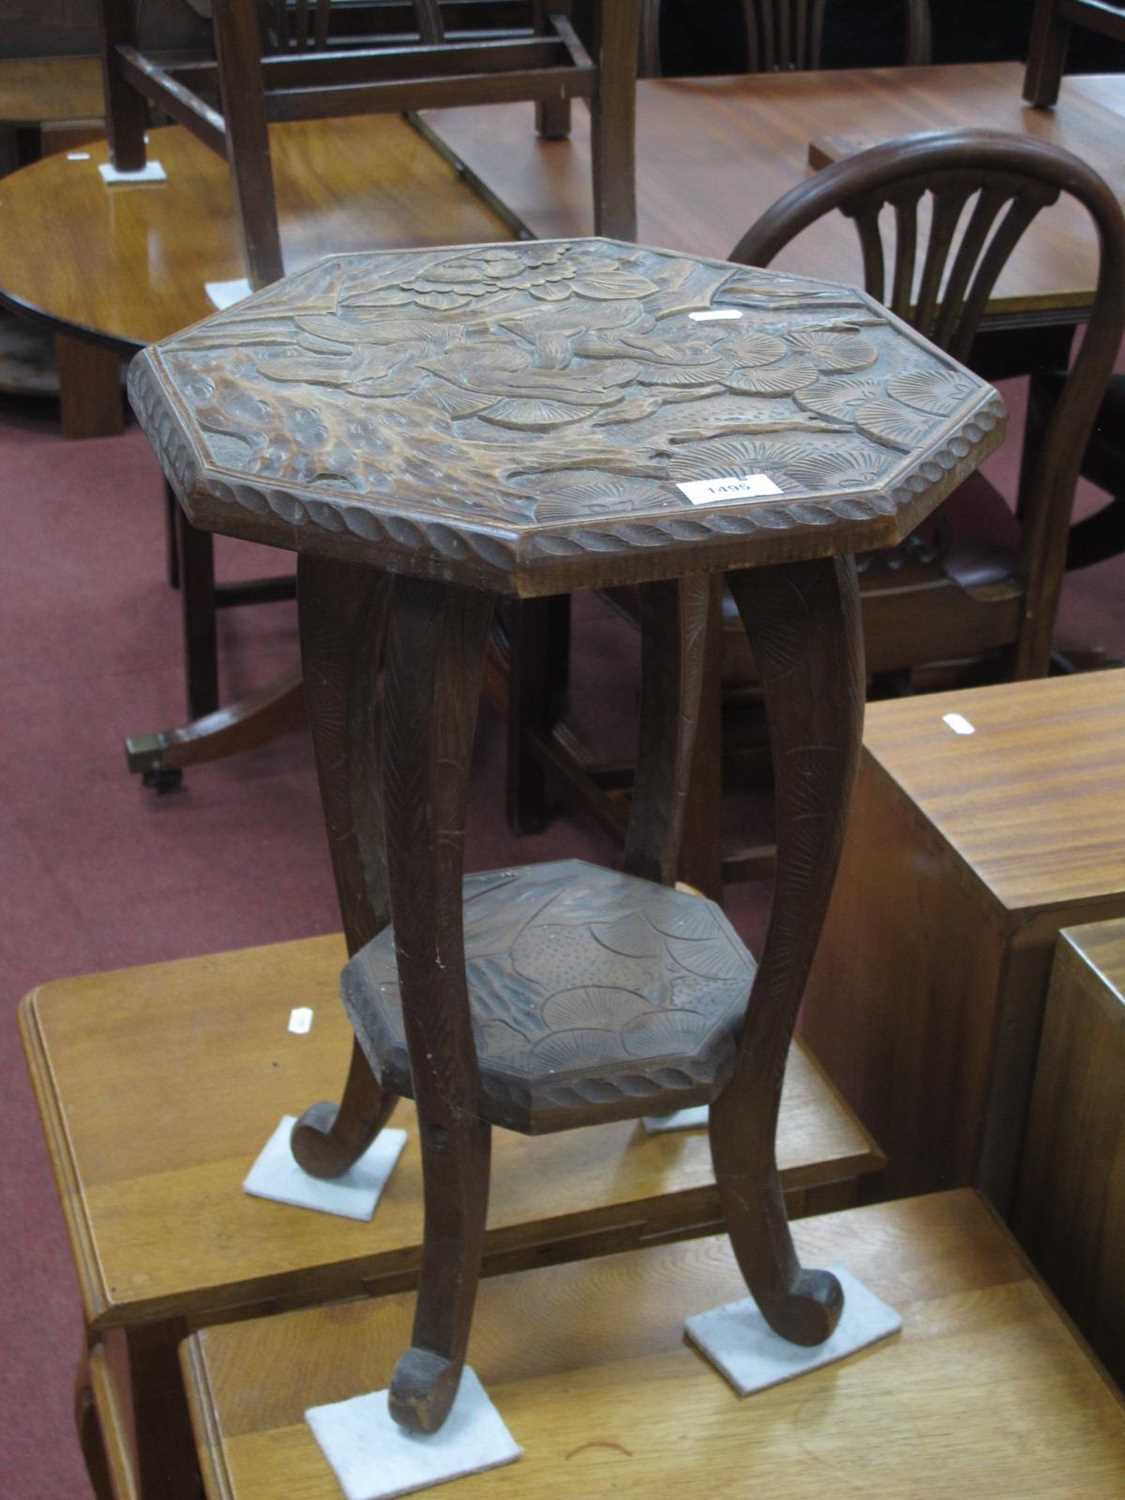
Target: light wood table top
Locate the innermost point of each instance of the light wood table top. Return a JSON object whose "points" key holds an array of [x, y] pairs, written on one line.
{"points": [[128, 264], [1032, 801], [985, 1392], [35, 90], [714, 153], [159, 1085]]}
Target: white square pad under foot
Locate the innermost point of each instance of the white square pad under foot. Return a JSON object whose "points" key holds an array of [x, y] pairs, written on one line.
{"points": [[152, 171], [681, 1119], [374, 1459], [354, 1195], [740, 1343]]}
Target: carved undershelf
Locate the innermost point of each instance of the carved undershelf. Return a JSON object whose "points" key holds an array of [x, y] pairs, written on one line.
{"points": [[594, 996]]}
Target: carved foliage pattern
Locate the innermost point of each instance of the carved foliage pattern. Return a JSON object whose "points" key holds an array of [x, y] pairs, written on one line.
{"points": [[542, 386], [585, 986]]}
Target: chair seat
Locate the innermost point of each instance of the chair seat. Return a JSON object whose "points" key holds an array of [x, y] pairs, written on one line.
{"points": [[594, 996]]}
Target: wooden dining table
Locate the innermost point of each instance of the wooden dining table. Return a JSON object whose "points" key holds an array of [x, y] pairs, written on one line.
{"points": [[714, 153]]}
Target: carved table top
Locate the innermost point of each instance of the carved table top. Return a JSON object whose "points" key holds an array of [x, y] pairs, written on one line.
{"points": [[524, 417]]}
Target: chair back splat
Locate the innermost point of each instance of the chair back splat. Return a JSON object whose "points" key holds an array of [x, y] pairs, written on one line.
{"points": [[983, 189]]}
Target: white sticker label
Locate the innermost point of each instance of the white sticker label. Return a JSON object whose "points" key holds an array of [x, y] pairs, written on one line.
{"points": [[300, 1020], [227, 293], [958, 723], [713, 314], [78, 156], [744, 487]]}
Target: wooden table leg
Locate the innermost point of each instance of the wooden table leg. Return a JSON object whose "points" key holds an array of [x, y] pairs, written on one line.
{"points": [[343, 613], [804, 627], [435, 653], [89, 1429], [90, 396]]}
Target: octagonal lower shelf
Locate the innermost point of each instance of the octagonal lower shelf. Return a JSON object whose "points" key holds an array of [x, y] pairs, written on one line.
{"points": [[594, 996]]}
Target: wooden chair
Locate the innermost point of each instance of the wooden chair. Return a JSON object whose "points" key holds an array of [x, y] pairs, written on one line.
{"points": [[320, 59], [1102, 534], [978, 588], [1050, 36], [782, 36]]}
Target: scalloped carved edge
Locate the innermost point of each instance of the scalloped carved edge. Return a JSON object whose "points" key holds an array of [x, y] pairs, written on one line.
{"points": [[933, 473]]}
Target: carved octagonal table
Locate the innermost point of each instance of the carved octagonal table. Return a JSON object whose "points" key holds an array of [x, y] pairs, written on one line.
{"points": [[431, 429]]}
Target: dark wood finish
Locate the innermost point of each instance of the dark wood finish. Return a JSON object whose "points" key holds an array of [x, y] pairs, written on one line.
{"points": [[592, 996], [986, 1391], [508, 421], [195, 555], [1101, 535], [40, 90], [343, 612], [435, 652], [1050, 36], [160, 1232], [516, 460], [313, 76], [803, 625], [1070, 1207], [944, 293], [965, 855], [782, 36], [91, 399]]}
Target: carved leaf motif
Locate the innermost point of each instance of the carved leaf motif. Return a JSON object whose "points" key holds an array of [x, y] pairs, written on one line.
{"points": [[837, 398], [534, 415], [754, 348], [610, 288], [889, 422], [773, 380], [593, 1007], [842, 352], [938, 392], [667, 1032], [565, 1051]]}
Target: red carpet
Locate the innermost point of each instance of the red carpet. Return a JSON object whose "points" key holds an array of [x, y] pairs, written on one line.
{"points": [[97, 873]]}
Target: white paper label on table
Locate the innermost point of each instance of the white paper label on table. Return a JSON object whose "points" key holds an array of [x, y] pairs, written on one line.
{"points": [[736, 487], [741, 1345], [958, 723], [374, 1459], [682, 1119], [152, 171], [354, 1195], [714, 314], [225, 294], [300, 1020]]}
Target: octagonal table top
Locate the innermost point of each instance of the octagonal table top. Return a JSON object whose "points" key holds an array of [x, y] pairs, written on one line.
{"points": [[538, 417]]}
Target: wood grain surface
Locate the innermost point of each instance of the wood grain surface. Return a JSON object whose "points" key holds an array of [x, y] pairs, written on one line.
{"points": [[1070, 1210], [1031, 801], [159, 1085], [714, 153], [985, 1391], [36, 90], [129, 263], [964, 856], [529, 418]]}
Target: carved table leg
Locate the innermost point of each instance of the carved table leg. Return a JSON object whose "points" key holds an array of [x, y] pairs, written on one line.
{"points": [[435, 651], [804, 627], [343, 611]]}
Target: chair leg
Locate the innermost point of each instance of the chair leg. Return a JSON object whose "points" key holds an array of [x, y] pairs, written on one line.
{"points": [[238, 43], [1046, 55], [343, 610], [804, 625], [435, 650], [171, 544], [195, 550], [613, 126], [125, 109]]}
